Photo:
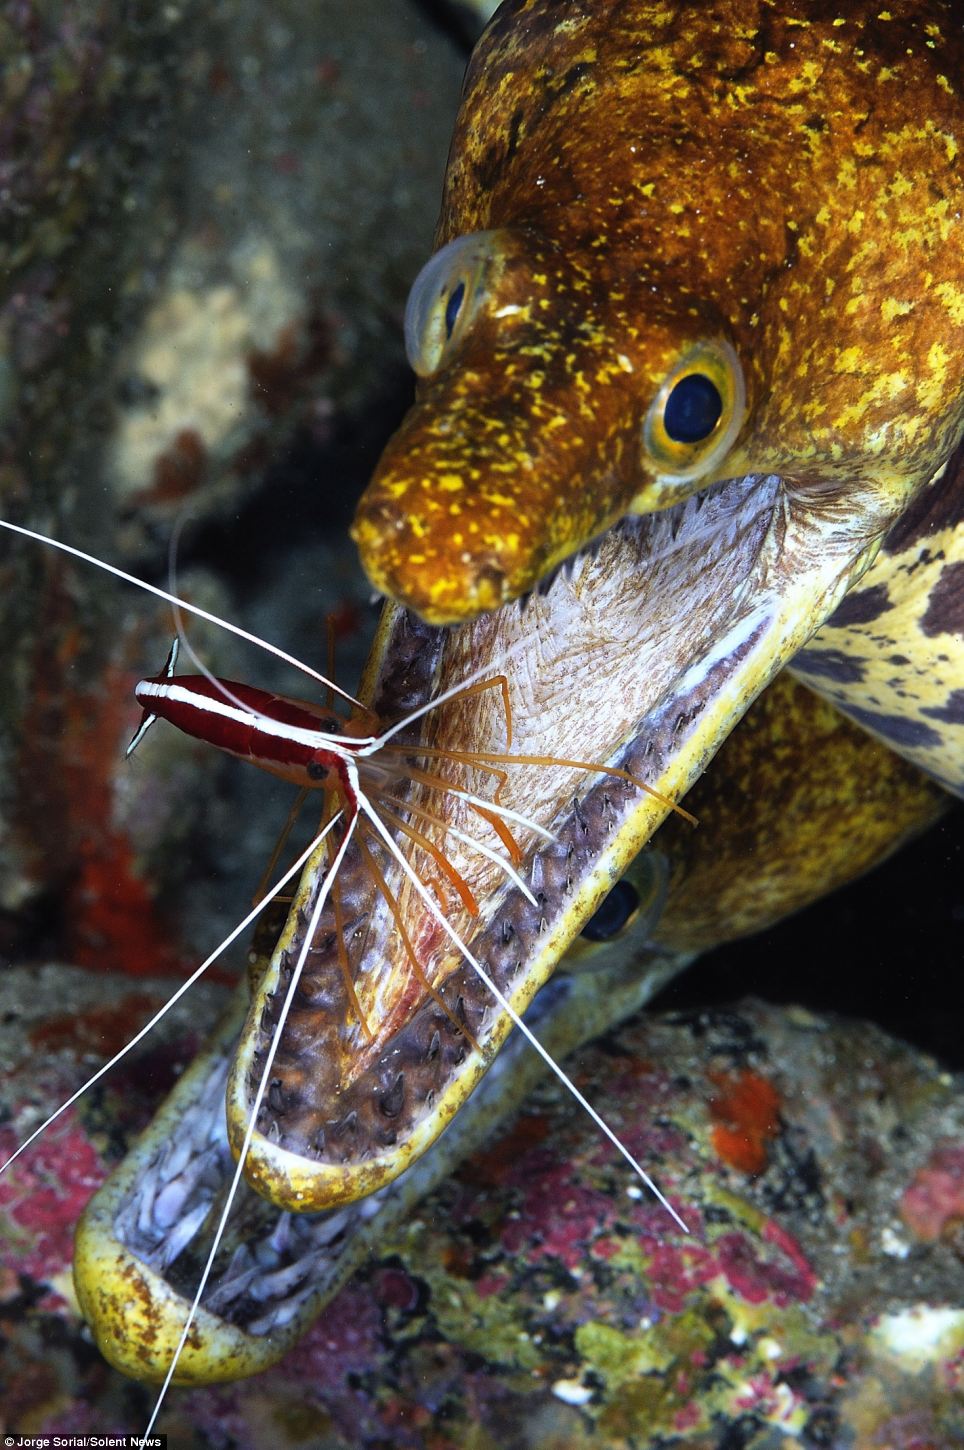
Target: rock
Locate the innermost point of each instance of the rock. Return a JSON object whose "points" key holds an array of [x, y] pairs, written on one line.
{"points": [[541, 1299]]}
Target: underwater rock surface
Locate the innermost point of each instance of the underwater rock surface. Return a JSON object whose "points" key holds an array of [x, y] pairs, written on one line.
{"points": [[540, 1298], [186, 265], [215, 218]]}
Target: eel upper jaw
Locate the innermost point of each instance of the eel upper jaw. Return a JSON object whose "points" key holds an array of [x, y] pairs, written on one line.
{"points": [[671, 625]]}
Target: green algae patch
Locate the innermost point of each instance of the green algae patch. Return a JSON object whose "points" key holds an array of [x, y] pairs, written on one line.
{"points": [[490, 1326], [793, 1336], [649, 1374], [617, 1356], [739, 1209], [622, 1358], [628, 1255]]}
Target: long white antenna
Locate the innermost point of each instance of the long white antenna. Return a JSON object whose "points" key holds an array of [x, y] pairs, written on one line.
{"points": [[169, 598], [503, 864], [177, 609], [361, 750], [259, 1096], [443, 699]]}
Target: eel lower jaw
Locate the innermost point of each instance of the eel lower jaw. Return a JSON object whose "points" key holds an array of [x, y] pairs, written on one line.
{"points": [[643, 654], [143, 1239]]}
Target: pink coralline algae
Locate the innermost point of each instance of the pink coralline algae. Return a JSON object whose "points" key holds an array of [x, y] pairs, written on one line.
{"points": [[42, 1196], [544, 1299], [757, 1277], [344, 1341], [933, 1205], [675, 1273], [563, 1217]]}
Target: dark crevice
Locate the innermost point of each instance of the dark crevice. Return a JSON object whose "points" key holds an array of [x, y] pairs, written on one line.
{"points": [[885, 948], [310, 491]]}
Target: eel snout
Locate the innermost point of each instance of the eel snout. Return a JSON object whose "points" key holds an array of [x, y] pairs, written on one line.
{"points": [[552, 395]]}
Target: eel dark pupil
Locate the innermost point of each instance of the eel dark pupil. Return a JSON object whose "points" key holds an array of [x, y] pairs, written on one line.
{"points": [[613, 914], [452, 308], [692, 409]]}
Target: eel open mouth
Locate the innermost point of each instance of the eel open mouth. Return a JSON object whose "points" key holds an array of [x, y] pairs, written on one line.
{"points": [[603, 665]]}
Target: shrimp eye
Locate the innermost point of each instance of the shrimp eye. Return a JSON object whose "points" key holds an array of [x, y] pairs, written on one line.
{"points": [[615, 912], [695, 417], [317, 770], [446, 297]]}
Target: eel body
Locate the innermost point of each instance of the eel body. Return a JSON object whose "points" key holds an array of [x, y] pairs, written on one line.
{"points": [[690, 362]]}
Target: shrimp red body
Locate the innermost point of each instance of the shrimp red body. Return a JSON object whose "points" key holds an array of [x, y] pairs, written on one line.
{"points": [[289, 738]]}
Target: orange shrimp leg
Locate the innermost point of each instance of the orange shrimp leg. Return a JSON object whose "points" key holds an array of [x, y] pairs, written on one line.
{"points": [[379, 878], [280, 844], [438, 856], [482, 757], [499, 826], [382, 795], [351, 808], [500, 682]]}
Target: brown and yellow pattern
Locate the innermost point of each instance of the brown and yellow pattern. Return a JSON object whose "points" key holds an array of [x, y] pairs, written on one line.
{"points": [[892, 654], [786, 176]]}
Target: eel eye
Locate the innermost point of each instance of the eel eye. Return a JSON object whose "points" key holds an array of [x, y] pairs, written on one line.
{"points": [[614, 913], [692, 409], [695, 417], [446, 297], [452, 310]]}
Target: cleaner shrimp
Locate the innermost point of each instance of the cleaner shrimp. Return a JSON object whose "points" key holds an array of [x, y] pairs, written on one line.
{"points": [[356, 762]]}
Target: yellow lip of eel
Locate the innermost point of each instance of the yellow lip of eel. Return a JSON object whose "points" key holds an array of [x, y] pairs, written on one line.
{"points": [[702, 271]]}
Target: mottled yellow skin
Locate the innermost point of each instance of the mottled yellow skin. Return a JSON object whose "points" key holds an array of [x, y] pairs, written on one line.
{"points": [[797, 802], [785, 175], [651, 180]]}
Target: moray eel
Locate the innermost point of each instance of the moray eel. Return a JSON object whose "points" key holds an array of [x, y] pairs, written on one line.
{"points": [[690, 358]]}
